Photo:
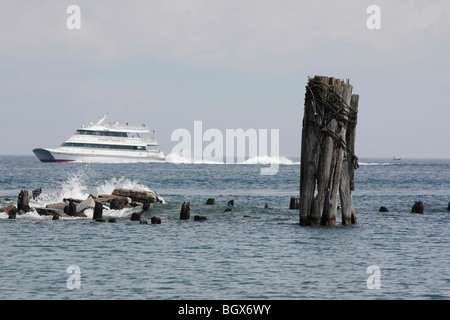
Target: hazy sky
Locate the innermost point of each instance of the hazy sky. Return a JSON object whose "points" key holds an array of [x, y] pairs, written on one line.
{"points": [[229, 63]]}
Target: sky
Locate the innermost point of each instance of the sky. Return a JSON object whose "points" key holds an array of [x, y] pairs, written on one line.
{"points": [[228, 63]]}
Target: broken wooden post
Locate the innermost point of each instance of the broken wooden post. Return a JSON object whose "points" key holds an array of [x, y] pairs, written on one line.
{"points": [[185, 211], [327, 153]]}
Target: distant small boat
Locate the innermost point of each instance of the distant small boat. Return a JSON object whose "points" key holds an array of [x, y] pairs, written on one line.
{"points": [[397, 158]]}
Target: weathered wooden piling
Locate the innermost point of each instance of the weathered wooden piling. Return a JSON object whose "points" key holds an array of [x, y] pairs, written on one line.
{"points": [[328, 157], [417, 207], [185, 211], [98, 210], [23, 202], [211, 201], [294, 203]]}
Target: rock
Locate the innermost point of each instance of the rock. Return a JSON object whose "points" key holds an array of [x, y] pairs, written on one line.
{"points": [[12, 213], [98, 211], [118, 203], [100, 220], [137, 195], [79, 215], [211, 201], [227, 210], [155, 220], [185, 212], [266, 206], [295, 203], [146, 205], [55, 217], [47, 212], [136, 216], [143, 222], [230, 203], [36, 193], [417, 207], [59, 206], [112, 220], [71, 208], [23, 202], [85, 204], [9, 208], [383, 209], [200, 218]]}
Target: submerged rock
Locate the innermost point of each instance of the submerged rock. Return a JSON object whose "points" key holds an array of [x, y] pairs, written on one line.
{"points": [[417, 207], [136, 216], [383, 209], [200, 218], [155, 220], [211, 201]]}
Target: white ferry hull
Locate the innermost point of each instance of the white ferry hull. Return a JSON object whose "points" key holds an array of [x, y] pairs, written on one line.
{"points": [[103, 156]]}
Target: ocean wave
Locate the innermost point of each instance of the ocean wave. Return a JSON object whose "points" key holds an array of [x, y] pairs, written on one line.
{"points": [[270, 160], [375, 163], [177, 159]]}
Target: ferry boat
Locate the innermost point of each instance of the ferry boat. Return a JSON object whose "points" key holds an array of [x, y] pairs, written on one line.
{"points": [[106, 142]]}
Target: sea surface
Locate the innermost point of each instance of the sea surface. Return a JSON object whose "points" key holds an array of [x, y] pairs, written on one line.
{"points": [[249, 253]]}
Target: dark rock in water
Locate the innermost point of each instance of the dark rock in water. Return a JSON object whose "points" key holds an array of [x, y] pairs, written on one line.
{"points": [[136, 216], [112, 220], [118, 203], [23, 202], [211, 201], [185, 212], [9, 208], [295, 203], [448, 208], [227, 210], [71, 208], [230, 203], [155, 220], [383, 209], [200, 218], [143, 222], [46, 212], [146, 205], [266, 206], [100, 220], [55, 217], [98, 210], [36, 193], [79, 215], [417, 207], [12, 213]]}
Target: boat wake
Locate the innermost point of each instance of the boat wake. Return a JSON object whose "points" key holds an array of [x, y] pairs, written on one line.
{"points": [[177, 159]]}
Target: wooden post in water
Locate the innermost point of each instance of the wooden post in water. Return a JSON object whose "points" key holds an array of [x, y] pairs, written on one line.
{"points": [[327, 155]]}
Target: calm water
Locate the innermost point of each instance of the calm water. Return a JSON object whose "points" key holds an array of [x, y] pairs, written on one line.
{"points": [[249, 253]]}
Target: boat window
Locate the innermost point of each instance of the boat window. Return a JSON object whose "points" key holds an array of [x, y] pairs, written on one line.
{"points": [[102, 133], [103, 146]]}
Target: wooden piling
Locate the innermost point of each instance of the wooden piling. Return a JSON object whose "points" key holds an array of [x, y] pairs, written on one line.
{"points": [[327, 153]]}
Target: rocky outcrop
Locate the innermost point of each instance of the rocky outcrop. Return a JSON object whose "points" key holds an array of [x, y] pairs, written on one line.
{"points": [[139, 196]]}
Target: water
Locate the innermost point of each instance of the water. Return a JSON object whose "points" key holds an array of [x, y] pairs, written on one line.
{"points": [[248, 253]]}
